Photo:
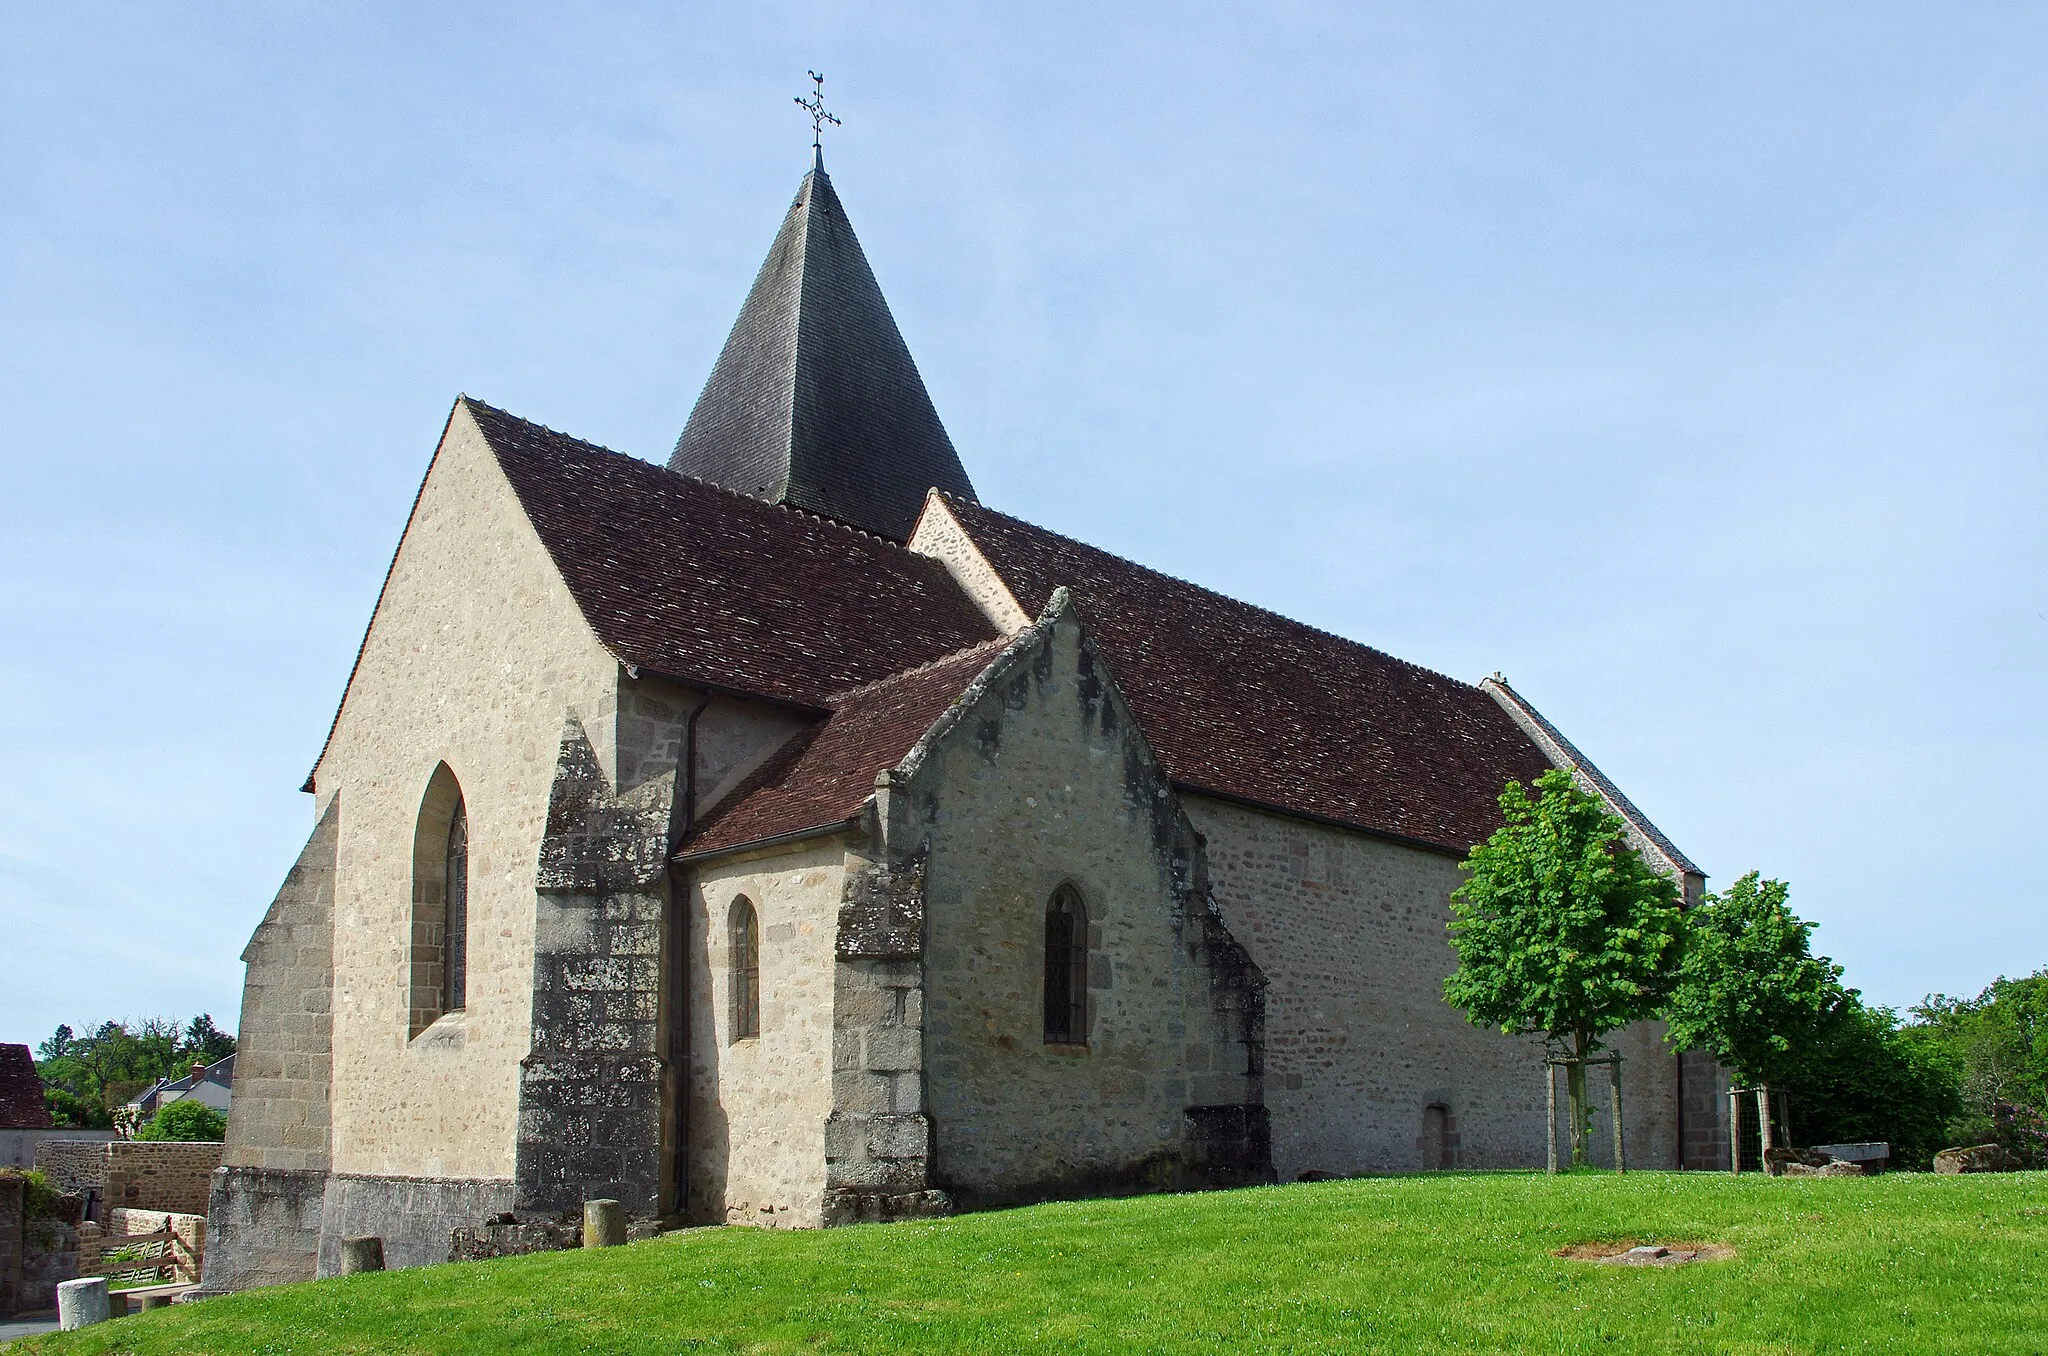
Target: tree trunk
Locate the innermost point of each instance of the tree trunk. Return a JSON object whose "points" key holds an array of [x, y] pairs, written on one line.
{"points": [[1576, 1080]]}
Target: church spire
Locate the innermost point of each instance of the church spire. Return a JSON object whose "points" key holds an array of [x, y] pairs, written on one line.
{"points": [[815, 400]]}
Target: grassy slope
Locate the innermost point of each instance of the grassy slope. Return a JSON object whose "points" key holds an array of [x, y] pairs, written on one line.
{"points": [[1436, 1263]]}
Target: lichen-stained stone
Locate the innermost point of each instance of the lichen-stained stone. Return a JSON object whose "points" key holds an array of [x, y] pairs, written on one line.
{"points": [[592, 1089]]}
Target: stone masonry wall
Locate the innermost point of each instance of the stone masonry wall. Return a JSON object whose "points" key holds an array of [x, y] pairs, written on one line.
{"points": [[475, 652], [75, 1166], [592, 1089], [284, 1061], [263, 1227], [878, 1137], [137, 1175], [1349, 931], [1041, 779], [1704, 1088], [160, 1176], [757, 1109], [12, 1192]]}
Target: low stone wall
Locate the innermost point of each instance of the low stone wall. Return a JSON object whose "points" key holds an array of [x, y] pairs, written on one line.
{"points": [[263, 1227], [49, 1254], [74, 1166], [133, 1175], [176, 1177], [18, 1147], [415, 1216]]}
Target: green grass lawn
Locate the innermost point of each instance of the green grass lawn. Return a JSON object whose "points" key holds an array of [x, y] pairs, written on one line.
{"points": [[1412, 1264]]}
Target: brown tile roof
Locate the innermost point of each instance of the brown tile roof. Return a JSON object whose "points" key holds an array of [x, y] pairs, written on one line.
{"points": [[695, 582], [824, 774], [21, 1093], [1243, 703]]}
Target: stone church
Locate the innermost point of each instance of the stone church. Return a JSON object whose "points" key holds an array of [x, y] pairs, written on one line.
{"points": [[783, 836]]}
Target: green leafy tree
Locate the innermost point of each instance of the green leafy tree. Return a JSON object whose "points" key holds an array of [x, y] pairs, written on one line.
{"points": [[185, 1119], [1561, 928], [1998, 1043], [205, 1041], [1750, 991]]}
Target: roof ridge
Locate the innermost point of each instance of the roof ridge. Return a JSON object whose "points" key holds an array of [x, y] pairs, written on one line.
{"points": [[978, 507], [680, 475], [838, 698]]}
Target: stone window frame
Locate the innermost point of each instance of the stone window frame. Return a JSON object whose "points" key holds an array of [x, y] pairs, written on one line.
{"points": [[455, 897], [743, 968], [431, 962], [1066, 968]]}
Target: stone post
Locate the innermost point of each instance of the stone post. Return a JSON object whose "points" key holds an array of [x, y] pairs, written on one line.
{"points": [[604, 1224], [1734, 1127], [362, 1254], [81, 1303], [1763, 1117]]}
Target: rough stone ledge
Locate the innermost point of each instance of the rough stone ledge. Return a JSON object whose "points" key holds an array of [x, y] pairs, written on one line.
{"points": [[847, 1205]]}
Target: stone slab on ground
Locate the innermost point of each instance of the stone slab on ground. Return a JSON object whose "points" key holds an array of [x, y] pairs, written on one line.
{"points": [[1976, 1158]]}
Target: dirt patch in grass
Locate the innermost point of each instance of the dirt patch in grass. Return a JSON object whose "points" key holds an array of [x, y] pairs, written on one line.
{"points": [[1635, 1253]]}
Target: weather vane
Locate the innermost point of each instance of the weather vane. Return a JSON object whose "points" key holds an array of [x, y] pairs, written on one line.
{"points": [[815, 106]]}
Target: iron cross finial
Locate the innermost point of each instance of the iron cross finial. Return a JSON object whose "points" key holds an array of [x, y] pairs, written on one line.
{"points": [[815, 106]]}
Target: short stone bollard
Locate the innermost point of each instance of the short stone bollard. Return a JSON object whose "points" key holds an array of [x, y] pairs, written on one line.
{"points": [[82, 1302], [156, 1302], [362, 1254], [604, 1224]]}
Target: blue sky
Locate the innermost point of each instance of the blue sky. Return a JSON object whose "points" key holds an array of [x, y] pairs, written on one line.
{"points": [[1684, 363]]}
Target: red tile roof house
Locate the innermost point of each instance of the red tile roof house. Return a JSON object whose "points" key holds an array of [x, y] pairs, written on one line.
{"points": [[782, 836], [22, 1106]]}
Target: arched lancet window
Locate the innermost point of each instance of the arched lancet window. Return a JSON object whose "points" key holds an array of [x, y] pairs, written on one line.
{"points": [[1066, 968], [455, 888], [745, 932], [437, 975]]}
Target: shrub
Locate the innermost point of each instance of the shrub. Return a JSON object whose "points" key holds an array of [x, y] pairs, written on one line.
{"points": [[39, 1198], [185, 1119], [1867, 1078]]}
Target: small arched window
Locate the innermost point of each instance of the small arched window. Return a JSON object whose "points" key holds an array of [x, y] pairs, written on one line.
{"points": [[745, 930], [1066, 968], [455, 879]]}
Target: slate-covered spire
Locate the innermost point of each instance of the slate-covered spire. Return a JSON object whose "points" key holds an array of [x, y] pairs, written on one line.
{"points": [[815, 400]]}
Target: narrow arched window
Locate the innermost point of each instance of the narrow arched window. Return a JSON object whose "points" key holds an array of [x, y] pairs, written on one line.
{"points": [[438, 966], [746, 970], [1066, 969], [455, 878]]}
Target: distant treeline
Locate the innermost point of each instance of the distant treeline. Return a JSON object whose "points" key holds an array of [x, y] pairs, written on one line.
{"points": [[86, 1077]]}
